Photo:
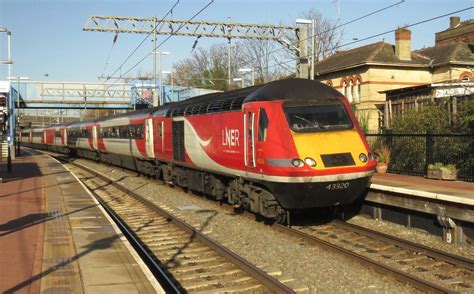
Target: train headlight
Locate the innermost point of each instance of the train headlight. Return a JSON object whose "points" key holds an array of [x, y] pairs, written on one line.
{"points": [[309, 161], [363, 157], [297, 162]]}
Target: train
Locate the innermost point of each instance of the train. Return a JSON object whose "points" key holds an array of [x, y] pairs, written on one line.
{"points": [[288, 145]]}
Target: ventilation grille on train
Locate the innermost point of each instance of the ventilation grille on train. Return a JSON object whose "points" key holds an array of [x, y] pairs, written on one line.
{"points": [[337, 159], [210, 107]]}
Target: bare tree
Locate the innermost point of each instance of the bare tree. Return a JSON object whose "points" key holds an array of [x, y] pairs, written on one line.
{"points": [[327, 36], [260, 55], [207, 68]]}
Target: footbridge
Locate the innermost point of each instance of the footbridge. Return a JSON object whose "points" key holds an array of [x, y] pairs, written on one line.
{"points": [[78, 95]]}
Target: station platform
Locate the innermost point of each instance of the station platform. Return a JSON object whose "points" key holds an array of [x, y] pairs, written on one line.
{"points": [[55, 238], [450, 191]]}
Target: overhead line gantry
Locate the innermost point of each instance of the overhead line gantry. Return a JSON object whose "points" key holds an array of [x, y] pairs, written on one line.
{"points": [[229, 30]]}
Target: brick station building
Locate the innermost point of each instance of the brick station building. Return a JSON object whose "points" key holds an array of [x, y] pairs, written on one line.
{"points": [[363, 74]]}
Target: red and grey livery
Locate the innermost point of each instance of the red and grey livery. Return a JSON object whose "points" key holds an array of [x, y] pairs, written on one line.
{"points": [[286, 145]]}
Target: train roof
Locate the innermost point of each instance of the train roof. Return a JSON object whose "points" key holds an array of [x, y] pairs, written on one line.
{"points": [[292, 91], [295, 90], [135, 113]]}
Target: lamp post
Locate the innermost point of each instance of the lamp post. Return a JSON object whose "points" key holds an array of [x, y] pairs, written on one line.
{"points": [[157, 102], [250, 69], [14, 117], [10, 138], [312, 22], [239, 80]]}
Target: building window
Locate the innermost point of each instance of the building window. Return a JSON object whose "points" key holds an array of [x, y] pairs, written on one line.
{"points": [[329, 83], [351, 91], [358, 90], [344, 88]]}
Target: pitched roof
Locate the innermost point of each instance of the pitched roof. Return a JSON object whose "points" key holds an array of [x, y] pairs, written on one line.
{"points": [[384, 53], [452, 52]]}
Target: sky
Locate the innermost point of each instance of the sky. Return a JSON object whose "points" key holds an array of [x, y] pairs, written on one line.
{"points": [[48, 43]]}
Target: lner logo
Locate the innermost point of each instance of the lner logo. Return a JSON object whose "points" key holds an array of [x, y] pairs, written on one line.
{"points": [[230, 137]]}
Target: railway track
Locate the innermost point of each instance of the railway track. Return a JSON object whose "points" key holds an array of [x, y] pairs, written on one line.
{"points": [[183, 259], [425, 268]]}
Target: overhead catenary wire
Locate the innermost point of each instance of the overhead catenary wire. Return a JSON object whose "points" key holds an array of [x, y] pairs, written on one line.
{"points": [[143, 41], [109, 54], [319, 34], [379, 34], [346, 23], [335, 47], [169, 37]]}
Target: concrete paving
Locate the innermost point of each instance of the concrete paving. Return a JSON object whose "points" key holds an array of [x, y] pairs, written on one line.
{"points": [[62, 241]]}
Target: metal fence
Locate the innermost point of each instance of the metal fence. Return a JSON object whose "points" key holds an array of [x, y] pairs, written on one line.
{"points": [[412, 153]]}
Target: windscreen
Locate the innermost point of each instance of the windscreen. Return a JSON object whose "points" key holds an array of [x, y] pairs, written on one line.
{"points": [[317, 118]]}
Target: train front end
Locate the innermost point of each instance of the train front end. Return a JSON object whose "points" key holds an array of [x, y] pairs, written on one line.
{"points": [[324, 159]]}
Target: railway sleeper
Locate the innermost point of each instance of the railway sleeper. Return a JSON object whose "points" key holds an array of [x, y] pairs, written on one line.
{"points": [[203, 262], [238, 192], [255, 287], [188, 270], [241, 280], [209, 275]]}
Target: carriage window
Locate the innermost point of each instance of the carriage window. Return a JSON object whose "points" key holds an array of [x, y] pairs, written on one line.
{"points": [[262, 125], [122, 132], [159, 130], [317, 118]]}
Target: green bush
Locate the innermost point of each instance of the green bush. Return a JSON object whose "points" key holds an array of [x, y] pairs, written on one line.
{"points": [[409, 153]]}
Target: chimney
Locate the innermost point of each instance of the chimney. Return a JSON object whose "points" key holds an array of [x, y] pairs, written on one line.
{"points": [[454, 21], [403, 44]]}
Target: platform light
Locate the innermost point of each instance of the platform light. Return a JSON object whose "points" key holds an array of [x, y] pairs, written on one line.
{"points": [[239, 80], [303, 21], [251, 70], [158, 99], [312, 23]]}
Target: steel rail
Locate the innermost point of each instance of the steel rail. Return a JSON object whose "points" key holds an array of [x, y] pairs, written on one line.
{"points": [[377, 266], [268, 281], [165, 280], [405, 244]]}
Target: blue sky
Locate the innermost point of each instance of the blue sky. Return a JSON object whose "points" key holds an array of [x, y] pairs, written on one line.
{"points": [[47, 35]]}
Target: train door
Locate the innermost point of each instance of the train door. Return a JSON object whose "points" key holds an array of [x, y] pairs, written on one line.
{"points": [[64, 132], [149, 137], [249, 138], [159, 138], [94, 137]]}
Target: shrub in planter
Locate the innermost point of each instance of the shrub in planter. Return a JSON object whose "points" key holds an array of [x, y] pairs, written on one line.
{"points": [[440, 171], [383, 159]]}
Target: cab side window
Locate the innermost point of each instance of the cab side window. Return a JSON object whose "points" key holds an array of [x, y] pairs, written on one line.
{"points": [[262, 125]]}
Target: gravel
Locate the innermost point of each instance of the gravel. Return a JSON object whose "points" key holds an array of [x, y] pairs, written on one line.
{"points": [[415, 235], [311, 267]]}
